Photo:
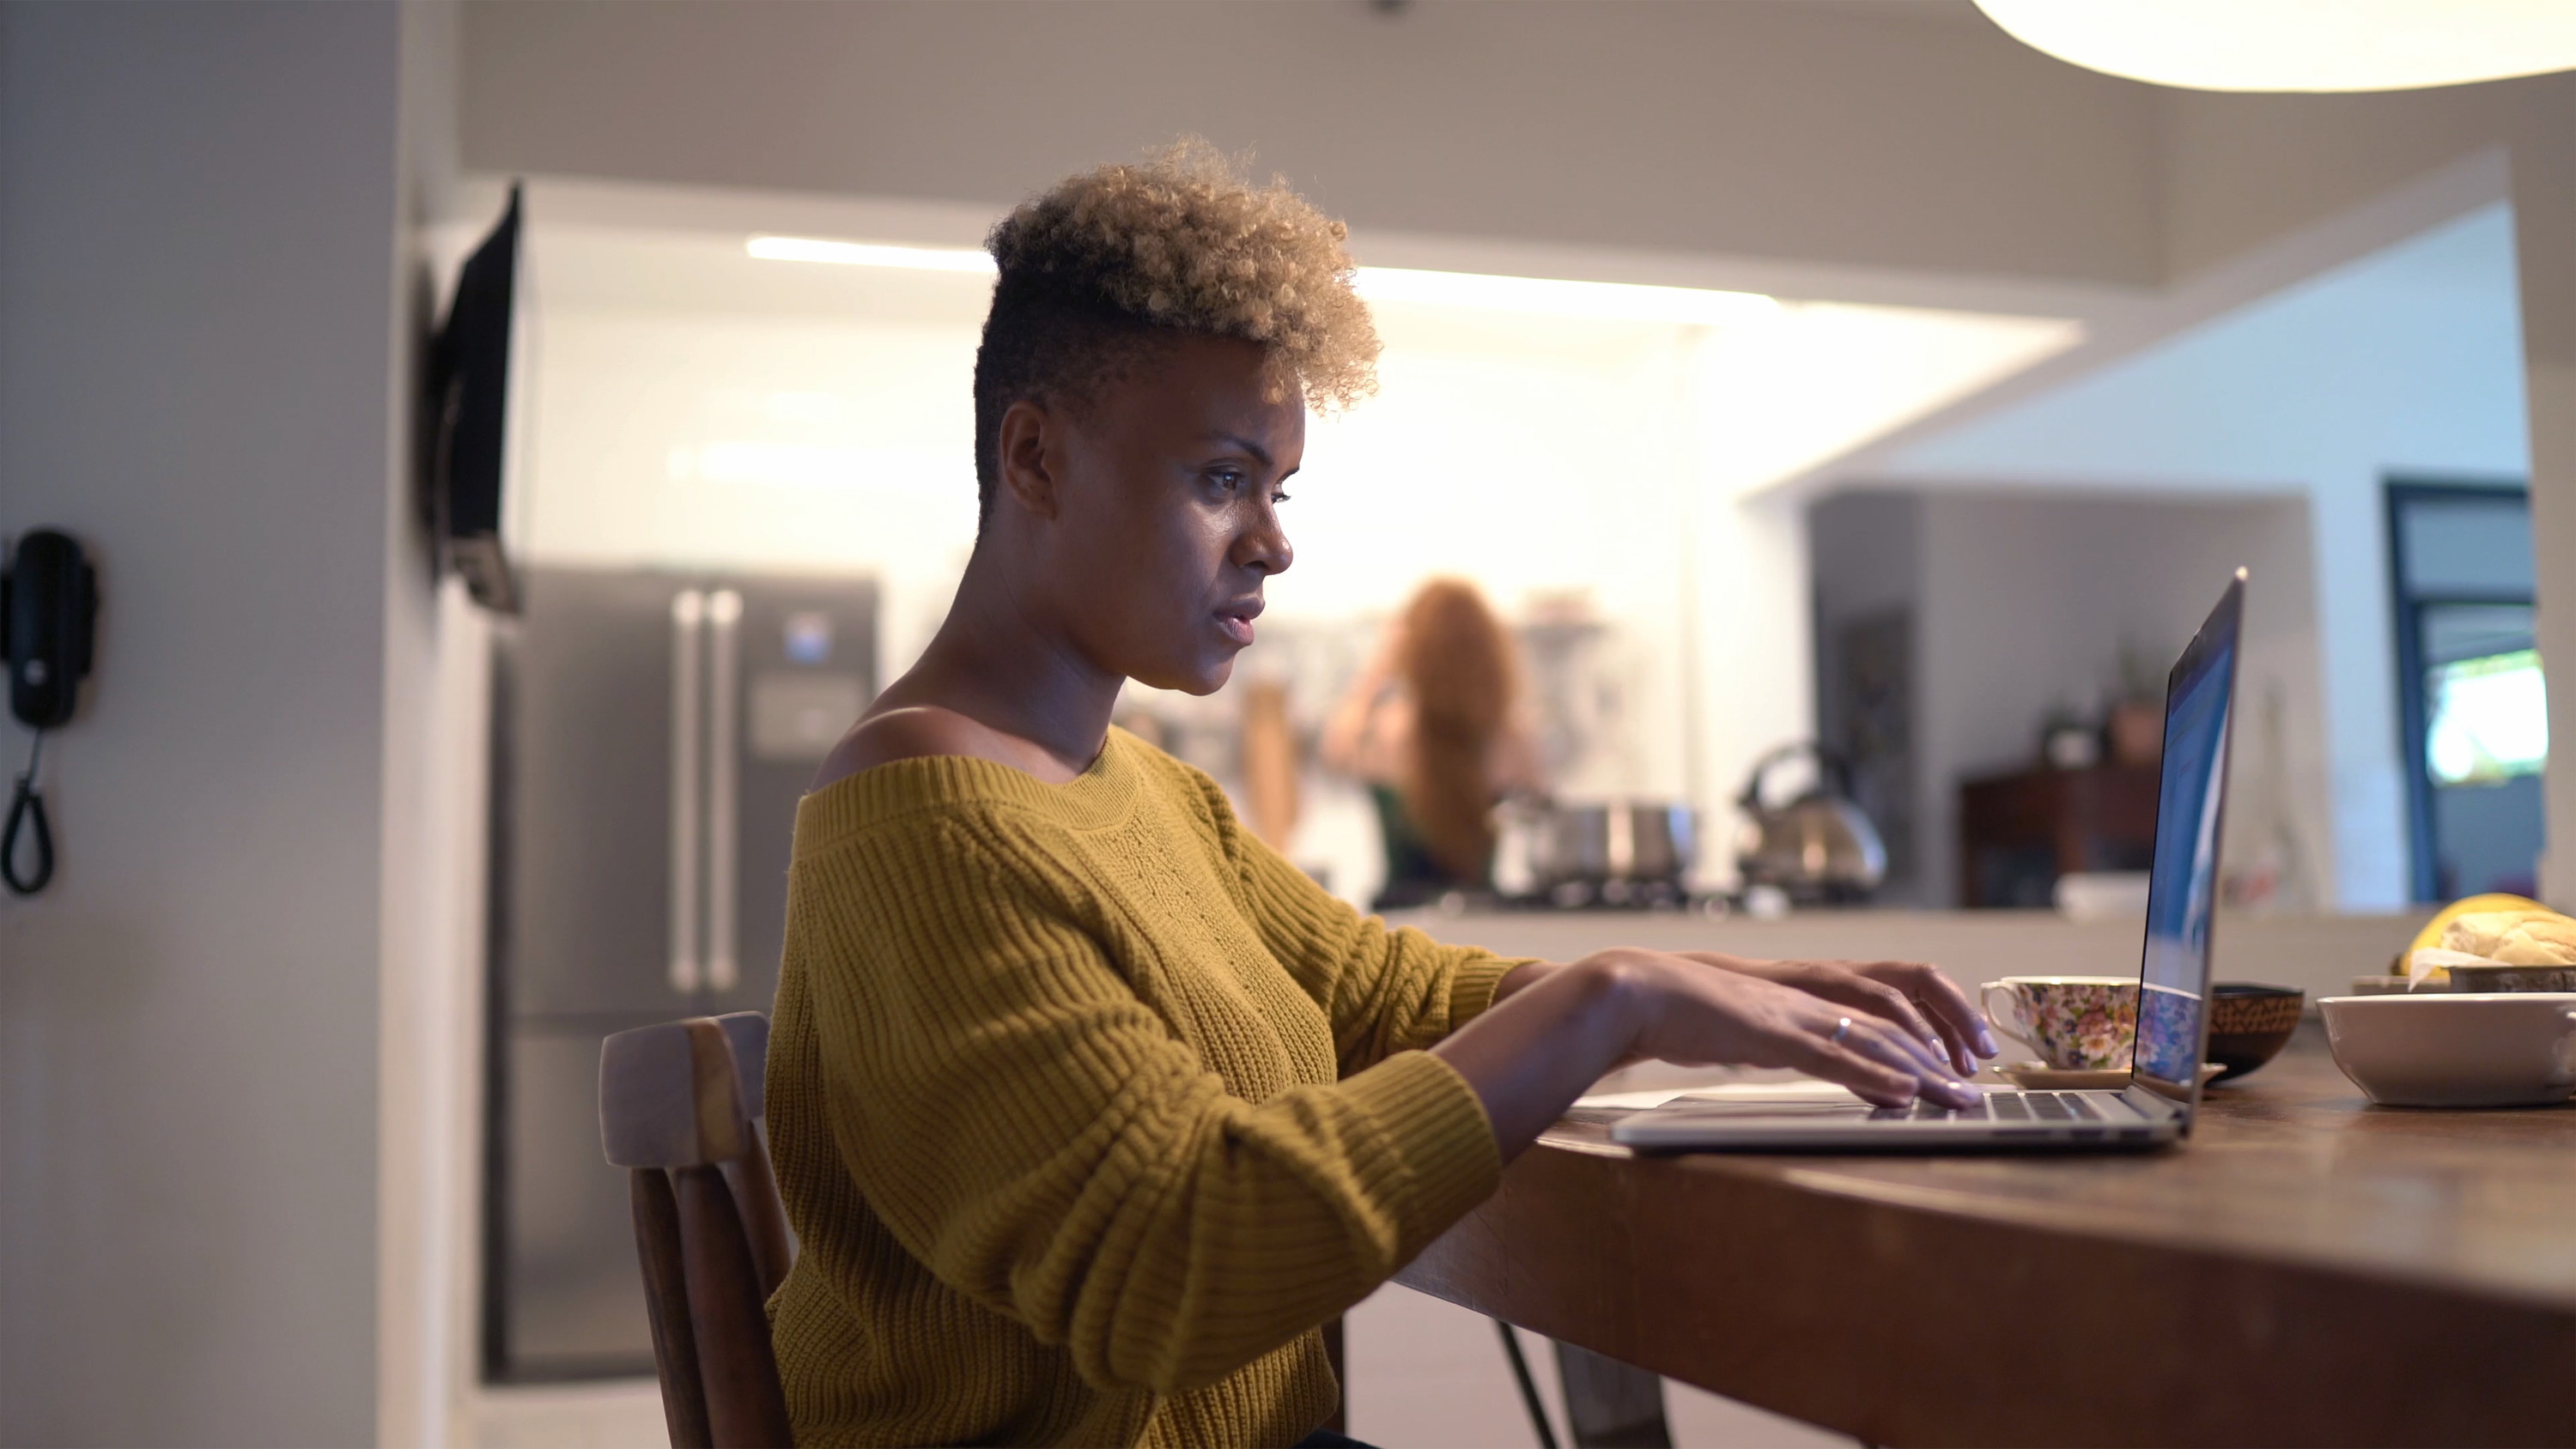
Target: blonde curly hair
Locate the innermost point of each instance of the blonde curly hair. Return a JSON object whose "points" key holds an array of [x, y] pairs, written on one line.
{"points": [[1096, 268]]}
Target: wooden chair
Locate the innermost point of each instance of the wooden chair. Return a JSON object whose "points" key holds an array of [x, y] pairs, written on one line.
{"points": [[680, 1105]]}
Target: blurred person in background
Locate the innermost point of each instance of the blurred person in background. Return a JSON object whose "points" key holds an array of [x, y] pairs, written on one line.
{"points": [[1434, 726]]}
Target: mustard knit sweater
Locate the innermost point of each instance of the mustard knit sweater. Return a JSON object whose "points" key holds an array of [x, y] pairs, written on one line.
{"points": [[1088, 1108]]}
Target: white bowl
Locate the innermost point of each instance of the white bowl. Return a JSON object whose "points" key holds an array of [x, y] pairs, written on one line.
{"points": [[2457, 1049]]}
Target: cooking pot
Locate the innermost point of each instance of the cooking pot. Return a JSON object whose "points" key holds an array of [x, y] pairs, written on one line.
{"points": [[1819, 846], [1641, 842]]}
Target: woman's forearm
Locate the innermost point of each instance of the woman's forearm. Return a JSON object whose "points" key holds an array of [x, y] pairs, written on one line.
{"points": [[1552, 1031]]}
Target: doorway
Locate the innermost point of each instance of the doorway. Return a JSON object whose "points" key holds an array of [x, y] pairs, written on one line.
{"points": [[2471, 700]]}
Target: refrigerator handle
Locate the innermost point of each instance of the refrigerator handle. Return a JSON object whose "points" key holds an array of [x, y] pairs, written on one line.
{"points": [[724, 618], [688, 614]]}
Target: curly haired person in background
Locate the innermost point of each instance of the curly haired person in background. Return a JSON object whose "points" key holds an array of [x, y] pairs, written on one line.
{"points": [[1087, 1107], [1432, 724]]}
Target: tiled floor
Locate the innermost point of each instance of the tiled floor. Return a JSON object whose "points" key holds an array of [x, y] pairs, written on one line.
{"points": [[1429, 1375]]}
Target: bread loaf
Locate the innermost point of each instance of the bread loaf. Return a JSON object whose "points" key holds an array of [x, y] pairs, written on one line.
{"points": [[2539, 941], [2483, 933]]}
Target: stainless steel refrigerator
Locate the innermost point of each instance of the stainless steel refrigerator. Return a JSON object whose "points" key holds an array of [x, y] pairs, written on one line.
{"points": [[651, 735]]}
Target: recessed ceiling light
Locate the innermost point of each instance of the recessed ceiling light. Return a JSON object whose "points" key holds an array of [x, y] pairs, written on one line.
{"points": [[2298, 45], [868, 254], [1617, 301], [1620, 301]]}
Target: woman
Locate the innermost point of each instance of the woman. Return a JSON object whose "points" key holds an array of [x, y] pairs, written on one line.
{"points": [[1432, 724], [1088, 1107]]}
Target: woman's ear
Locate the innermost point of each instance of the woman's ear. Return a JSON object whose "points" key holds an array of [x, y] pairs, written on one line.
{"points": [[1027, 450]]}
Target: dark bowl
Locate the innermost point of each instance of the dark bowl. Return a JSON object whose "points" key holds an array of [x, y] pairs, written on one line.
{"points": [[2513, 978], [2249, 1023]]}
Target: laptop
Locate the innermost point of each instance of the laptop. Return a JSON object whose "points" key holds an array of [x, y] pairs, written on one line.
{"points": [[2155, 1108]]}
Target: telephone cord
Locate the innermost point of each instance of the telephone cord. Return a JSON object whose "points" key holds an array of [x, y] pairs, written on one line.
{"points": [[27, 810]]}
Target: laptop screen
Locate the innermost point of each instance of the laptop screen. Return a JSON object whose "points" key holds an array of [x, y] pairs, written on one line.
{"points": [[2182, 893]]}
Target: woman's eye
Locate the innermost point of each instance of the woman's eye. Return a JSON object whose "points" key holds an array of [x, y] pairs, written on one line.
{"points": [[1227, 479], [1277, 498]]}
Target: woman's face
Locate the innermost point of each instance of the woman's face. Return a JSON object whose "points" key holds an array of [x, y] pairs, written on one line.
{"points": [[1166, 494]]}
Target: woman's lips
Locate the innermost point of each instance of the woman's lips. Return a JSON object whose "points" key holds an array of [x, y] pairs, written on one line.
{"points": [[1236, 621]]}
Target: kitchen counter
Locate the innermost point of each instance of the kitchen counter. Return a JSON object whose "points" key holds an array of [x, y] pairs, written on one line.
{"points": [[2317, 954]]}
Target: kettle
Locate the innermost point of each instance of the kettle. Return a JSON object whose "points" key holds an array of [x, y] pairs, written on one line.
{"points": [[1819, 847]]}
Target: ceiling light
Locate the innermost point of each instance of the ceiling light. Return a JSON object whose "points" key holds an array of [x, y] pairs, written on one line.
{"points": [[2298, 45], [868, 254], [1617, 301]]}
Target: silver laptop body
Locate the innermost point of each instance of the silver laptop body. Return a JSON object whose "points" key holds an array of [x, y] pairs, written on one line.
{"points": [[2173, 980]]}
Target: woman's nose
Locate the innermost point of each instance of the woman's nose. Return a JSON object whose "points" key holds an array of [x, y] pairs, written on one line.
{"points": [[1265, 546]]}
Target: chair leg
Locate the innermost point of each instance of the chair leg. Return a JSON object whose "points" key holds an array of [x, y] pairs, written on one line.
{"points": [[1609, 1404], [666, 1303], [1529, 1386], [744, 1405]]}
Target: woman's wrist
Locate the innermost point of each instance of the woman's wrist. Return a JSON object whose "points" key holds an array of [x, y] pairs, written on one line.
{"points": [[1615, 985], [1529, 1057], [1522, 977], [1627, 988]]}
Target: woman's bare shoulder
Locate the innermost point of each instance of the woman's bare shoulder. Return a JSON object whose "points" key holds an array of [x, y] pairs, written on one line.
{"points": [[909, 733]]}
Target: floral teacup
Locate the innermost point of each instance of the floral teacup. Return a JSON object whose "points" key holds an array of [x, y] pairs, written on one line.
{"points": [[2073, 1023]]}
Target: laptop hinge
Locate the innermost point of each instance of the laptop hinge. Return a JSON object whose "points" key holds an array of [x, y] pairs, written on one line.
{"points": [[2154, 1106]]}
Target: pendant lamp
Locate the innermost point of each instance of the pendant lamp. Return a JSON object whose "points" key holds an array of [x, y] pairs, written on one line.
{"points": [[2298, 45]]}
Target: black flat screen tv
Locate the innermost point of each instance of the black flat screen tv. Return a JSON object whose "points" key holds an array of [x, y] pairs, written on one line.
{"points": [[466, 415]]}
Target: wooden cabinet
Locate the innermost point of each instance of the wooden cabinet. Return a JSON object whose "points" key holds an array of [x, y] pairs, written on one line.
{"points": [[2018, 833]]}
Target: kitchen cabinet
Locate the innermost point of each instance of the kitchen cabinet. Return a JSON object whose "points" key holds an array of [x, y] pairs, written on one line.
{"points": [[2019, 832]]}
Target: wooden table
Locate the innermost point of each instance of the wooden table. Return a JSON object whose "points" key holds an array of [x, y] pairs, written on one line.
{"points": [[2307, 1269]]}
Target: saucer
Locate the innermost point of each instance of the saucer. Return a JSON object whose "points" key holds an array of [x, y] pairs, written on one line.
{"points": [[2059, 1079]]}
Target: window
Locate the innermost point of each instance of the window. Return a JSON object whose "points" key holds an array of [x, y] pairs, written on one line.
{"points": [[2471, 707]]}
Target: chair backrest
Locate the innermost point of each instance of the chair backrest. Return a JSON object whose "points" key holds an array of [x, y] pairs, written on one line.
{"points": [[680, 1105]]}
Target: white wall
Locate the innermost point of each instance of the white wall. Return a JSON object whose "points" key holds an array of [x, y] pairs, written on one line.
{"points": [[2243, 169], [198, 212], [2027, 602], [2544, 191], [2023, 602], [695, 408], [430, 928], [2408, 362], [1533, 455]]}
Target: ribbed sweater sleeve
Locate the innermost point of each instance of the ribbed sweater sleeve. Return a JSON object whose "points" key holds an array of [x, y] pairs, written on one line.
{"points": [[1046, 1144], [1386, 991]]}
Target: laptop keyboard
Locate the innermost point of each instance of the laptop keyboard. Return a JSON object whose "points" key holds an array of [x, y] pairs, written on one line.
{"points": [[1999, 1107]]}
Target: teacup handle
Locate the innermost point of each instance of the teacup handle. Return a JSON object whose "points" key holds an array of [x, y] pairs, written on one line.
{"points": [[2006, 1020]]}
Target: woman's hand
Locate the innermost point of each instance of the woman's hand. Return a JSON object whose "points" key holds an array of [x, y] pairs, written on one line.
{"points": [[1912, 994], [1553, 1030], [1701, 1016]]}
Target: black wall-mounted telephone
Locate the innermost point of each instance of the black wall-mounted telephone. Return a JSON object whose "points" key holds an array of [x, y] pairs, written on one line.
{"points": [[48, 616]]}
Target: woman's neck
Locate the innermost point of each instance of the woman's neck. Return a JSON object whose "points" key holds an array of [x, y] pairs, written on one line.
{"points": [[996, 661]]}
